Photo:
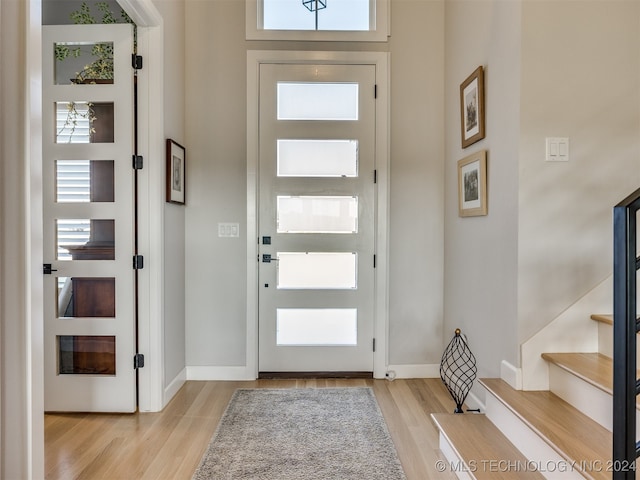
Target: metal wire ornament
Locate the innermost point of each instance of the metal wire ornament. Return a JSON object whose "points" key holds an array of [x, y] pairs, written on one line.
{"points": [[458, 369]]}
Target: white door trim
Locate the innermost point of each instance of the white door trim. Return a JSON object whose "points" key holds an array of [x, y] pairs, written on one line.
{"points": [[381, 61], [152, 391]]}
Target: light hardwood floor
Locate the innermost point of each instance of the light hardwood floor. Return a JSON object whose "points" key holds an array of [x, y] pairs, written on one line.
{"points": [[169, 444]]}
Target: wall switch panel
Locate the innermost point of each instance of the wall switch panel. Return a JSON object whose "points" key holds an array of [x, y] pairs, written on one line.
{"points": [[229, 230], [557, 149]]}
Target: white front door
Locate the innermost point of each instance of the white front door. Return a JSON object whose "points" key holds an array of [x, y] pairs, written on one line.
{"points": [[316, 221], [88, 212]]}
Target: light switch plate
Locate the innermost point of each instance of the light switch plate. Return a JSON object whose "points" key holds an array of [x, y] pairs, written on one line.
{"points": [[229, 230], [557, 149]]}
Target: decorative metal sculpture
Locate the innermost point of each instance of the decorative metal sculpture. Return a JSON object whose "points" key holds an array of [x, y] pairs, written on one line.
{"points": [[458, 369]]}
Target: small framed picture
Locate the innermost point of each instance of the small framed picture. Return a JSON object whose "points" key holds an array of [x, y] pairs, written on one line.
{"points": [[472, 185], [176, 171], [472, 108]]}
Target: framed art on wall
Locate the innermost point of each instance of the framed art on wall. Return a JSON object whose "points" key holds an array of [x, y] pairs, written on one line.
{"points": [[176, 172], [472, 108], [472, 185]]}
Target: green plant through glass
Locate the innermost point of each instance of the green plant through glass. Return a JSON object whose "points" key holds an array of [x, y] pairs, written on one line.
{"points": [[101, 67]]}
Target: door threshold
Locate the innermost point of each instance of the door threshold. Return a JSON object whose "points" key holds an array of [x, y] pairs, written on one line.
{"points": [[310, 375]]}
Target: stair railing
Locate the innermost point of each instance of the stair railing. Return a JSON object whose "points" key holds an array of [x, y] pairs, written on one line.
{"points": [[625, 328]]}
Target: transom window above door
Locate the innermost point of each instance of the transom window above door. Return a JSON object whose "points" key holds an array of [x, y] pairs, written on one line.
{"points": [[324, 20]]}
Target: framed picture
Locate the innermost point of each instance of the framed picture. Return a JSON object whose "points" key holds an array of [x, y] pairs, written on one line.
{"points": [[176, 171], [472, 185], [472, 108]]}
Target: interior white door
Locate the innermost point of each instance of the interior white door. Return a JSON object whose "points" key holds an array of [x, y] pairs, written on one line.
{"points": [[88, 218], [316, 218]]}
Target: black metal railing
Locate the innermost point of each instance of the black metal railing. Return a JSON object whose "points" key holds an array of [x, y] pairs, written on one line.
{"points": [[625, 328]]}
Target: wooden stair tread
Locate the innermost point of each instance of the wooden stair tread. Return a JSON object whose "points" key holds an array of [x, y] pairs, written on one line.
{"points": [[468, 435], [572, 434], [603, 318], [593, 368]]}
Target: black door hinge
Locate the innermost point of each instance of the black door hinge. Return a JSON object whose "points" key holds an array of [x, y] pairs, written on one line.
{"points": [[137, 162], [374, 345], [374, 260], [375, 91], [375, 176], [138, 360], [138, 262], [136, 61]]}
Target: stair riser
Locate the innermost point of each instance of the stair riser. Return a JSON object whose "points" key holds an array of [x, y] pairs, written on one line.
{"points": [[605, 341], [590, 400], [528, 442]]}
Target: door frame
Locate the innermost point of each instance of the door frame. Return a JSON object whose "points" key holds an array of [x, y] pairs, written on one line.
{"points": [[380, 60]]}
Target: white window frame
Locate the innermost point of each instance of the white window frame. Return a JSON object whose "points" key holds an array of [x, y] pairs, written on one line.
{"points": [[379, 32]]}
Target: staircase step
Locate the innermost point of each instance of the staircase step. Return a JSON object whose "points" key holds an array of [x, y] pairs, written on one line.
{"points": [[603, 318], [585, 380], [594, 368], [605, 335], [574, 438], [466, 435]]}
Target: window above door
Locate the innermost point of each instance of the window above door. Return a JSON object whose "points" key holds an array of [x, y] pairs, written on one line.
{"points": [[318, 20]]}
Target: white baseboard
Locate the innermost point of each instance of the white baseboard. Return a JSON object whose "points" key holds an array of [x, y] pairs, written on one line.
{"points": [[219, 373], [414, 371], [173, 387], [512, 375], [244, 373]]}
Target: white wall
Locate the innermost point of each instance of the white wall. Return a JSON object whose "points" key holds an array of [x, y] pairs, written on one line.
{"points": [[216, 136], [553, 69], [580, 79], [481, 252], [417, 183], [173, 15], [216, 187]]}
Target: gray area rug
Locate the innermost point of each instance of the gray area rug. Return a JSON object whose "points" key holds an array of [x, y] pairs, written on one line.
{"points": [[282, 434]]}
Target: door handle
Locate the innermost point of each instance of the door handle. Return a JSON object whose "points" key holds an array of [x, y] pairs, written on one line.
{"points": [[267, 258], [47, 270]]}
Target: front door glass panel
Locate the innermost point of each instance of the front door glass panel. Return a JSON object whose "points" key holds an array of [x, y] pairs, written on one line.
{"points": [[317, 214], [317, 158], [317, 326], [317, 101], [317, 270]]}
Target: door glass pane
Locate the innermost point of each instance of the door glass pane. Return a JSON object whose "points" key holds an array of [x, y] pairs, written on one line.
{"points": [[317, 158], [85, 239], [317, 326], [86, 297], [84, 122], [342, 15], [326, 214], [86, 355], [84, 181], [83, 63], [317, 101], [316, 270]]}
